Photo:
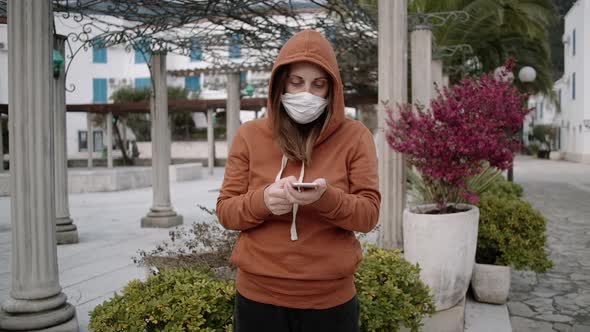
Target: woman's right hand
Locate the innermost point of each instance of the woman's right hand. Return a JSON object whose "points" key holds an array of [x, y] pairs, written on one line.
{"points": [[275, 197]]}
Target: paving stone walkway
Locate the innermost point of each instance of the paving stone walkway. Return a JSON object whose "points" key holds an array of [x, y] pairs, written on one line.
{"points": [[558, 300]]}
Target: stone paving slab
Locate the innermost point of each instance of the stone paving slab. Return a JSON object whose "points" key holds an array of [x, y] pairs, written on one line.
{"points": [[558, 300], [110, 235], [483, 317]]}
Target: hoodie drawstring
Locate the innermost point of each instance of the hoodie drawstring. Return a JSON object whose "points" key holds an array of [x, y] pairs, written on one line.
{"points": [[294, 236]]}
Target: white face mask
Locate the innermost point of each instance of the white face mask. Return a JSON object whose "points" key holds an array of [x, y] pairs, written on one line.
{"points": [[303, 107]]}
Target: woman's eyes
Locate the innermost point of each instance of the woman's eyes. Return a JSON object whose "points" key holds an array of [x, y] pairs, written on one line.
{"points": [[318, 84]]}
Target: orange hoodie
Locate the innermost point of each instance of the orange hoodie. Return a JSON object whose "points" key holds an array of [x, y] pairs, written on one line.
{"points": [[317, 270]]}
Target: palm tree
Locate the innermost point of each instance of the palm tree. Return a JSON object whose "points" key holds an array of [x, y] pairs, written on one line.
{"points": [[497, 30]]}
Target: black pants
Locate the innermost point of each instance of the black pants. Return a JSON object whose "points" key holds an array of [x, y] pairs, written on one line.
{"points": [[251, 316]]}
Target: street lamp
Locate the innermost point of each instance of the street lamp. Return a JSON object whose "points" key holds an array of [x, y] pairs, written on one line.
{"points": [[527, 74]]}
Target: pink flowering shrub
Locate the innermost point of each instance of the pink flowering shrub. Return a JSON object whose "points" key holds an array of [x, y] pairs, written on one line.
{"points": [[469, 124]]}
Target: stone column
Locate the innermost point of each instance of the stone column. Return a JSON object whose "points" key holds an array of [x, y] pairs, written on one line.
{"points": [[1, 145], [421, 53], [445, 80], [36, 301], [161, 213], [437, 77], [210, 140], [109, 139], [89, 138], [392, 89], [232, 109], [66, 231]]}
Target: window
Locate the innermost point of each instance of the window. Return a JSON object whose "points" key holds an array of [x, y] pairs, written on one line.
{"points": [[82, 140], [541, 110], [143, 83], [574, 42], [235, 50], [99, 90], [196, 51], [142, 52], [98, 144], [99, 52], [243, 79], [285, 35], [192, 83], [559, 100], [331, 33], [574, 86]]}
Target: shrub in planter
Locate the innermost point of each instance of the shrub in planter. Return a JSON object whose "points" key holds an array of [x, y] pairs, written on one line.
{"points": [[174, 300], [389, 288], [468, 127], [391, 293], [192, 299], [505, 189], [205, 245], [511, 233]]}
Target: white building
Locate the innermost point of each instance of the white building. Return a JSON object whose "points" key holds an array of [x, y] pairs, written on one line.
{"points": [[545, 111], [574, 119], [96, 73]]}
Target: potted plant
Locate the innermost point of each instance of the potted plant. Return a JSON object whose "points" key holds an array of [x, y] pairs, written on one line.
{"points": [[511, 234], [469, 125]]}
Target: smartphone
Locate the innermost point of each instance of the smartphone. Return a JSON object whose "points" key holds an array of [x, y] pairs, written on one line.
{"points": [[305, 186]]}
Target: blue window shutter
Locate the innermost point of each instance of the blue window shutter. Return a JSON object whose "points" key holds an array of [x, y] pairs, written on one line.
{"points": [[143, 83], [243, 79], [331, 33], [196, 52], [192, 83], [574, 42], [142, 52], [235, 49], [574, 86], [99, 52], [99, 89]]}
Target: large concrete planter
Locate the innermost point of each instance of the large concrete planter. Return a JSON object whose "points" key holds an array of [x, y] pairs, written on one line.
{"points": [[556, 155], [444, 247], [490, 283]]}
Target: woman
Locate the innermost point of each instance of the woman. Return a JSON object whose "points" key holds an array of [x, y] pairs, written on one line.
{"points": [[297, 253]]}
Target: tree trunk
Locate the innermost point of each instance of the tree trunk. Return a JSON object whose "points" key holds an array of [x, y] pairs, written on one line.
{"points": [[119, 140]]}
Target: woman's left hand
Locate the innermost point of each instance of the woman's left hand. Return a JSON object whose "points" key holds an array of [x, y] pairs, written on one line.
{"points": [[308, 196]]}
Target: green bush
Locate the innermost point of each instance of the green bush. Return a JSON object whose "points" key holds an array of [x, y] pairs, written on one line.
{"points": [[183, 297], [174, 300], [390, 292], [511, 233], [505, 189], [389, 288]]}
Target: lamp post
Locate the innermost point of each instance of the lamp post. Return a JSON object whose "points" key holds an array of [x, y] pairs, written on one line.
{"points": [[527, 74]]}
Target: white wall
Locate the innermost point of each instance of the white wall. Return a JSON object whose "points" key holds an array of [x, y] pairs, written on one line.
{"points": [[3, 65], [575, 137]]}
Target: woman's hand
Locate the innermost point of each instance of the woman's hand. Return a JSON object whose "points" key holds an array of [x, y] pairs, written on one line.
{"points": [[307, 196], [275, 196]]}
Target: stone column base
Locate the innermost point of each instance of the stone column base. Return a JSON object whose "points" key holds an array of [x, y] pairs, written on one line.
{"points": [[161, 219], [62, 319], [66, 232]]}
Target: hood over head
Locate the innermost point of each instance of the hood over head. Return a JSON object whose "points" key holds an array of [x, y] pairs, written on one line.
{"points": [[311, 46]]}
